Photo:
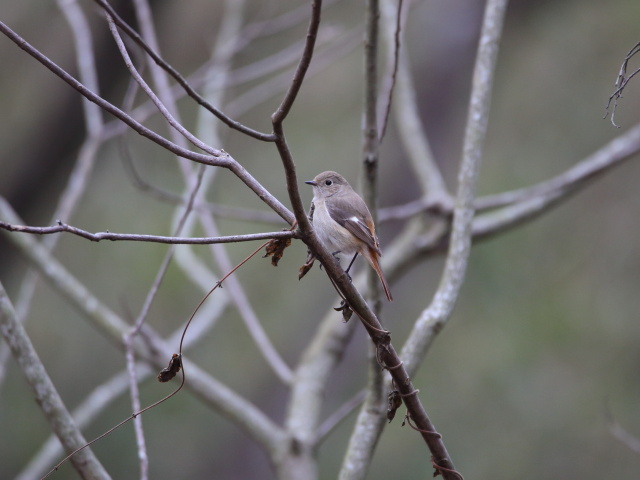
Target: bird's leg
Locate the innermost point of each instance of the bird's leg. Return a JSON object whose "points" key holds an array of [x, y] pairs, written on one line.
{"points": [[351, 263]]}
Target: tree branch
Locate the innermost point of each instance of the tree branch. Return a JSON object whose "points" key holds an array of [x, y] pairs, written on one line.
{"points": [[132, 237], [213, 392], [180, 79], [221, 159], [433, 319], [154, 98], [409, 125], [62, 424], [303, 65], [370, 421]]}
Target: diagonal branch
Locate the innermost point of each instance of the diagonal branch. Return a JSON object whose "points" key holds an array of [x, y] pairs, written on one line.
{"points": [[621, 82], [154, 98], [109, 391], [513, 208], [79, 177], [220, 159], [393, 54], [213, 392], [179, 78], [278, 117], [385, 352], [433, 319], [85, 462], [303, 65]]}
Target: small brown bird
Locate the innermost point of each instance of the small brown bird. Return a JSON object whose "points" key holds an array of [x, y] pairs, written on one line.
{"points": [[343, 222]]}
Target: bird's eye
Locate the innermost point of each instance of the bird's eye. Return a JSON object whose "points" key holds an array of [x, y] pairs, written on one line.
{"points": [[328, 182]]}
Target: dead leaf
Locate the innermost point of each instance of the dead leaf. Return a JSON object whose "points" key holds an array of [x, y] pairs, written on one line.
{"points": [[275, 249], [394, 401], [346, 311], [175, 364], [304, 269]]}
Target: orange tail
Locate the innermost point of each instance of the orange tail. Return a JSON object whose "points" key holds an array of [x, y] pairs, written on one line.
{"points": [[372, 258]]}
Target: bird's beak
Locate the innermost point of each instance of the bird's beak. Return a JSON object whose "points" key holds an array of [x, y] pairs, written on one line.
{"points": [[312, 183]]}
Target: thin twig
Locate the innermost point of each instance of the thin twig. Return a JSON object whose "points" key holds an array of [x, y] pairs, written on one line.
{"points": [[303, 65], [179, 78], [221, 159], [85, 60], [370, 140], [340, 47], [213, 392], [136, 405], [129, 337], [217, 209], [133, 416], [395, 60], [132, 237], [621, 82], [109, 391], [409, 126], [339, 415], [154, 98], [85, 161], [278, 117], [632, 442]]}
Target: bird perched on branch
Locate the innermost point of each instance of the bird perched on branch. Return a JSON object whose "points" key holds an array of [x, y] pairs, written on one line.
{"points": [[343, 222]]}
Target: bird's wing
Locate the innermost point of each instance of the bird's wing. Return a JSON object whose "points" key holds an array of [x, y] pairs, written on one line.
{"points": [[342, 210]]}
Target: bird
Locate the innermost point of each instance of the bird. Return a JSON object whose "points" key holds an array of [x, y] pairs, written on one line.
{"points": [[343, 222]]}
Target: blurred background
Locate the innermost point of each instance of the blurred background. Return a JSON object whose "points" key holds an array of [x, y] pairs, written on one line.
{"points": [[545, 338]]}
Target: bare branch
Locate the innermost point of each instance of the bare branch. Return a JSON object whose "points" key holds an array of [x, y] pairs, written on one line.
{"points": [[132, 237], [213, 392], [612, 154], [340, 48], [409, 125], [370, 421], [632, 442], [163, 110], [85, 463], [222, 159], [303, 65], [78, 178], [278, 117], [83, 45], [336, 418], [180, 79], [370, 139], [367, 430], [516, 206], [217, 79], [105, 394], [136, 405], [436, 315], [394, 56], [621, 82]]}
